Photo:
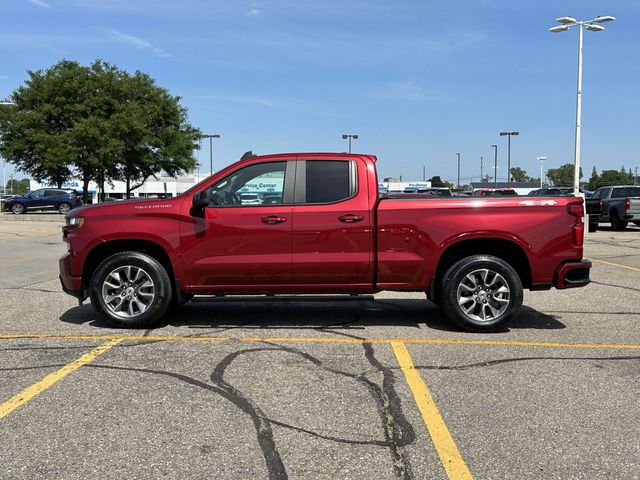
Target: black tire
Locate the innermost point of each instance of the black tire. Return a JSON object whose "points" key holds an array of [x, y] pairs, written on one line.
{"points": [[18, 208], [64, 208], [502, 305], [637, 223], [134, 317], [616, 222], [593, 227]]}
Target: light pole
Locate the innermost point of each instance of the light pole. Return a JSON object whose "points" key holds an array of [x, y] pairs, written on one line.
{"points": [[481, 166], [424, 173], [4, 103], [593, 25], [211, 137], [458, 171], [350, 136], [509, 134], [541, 159], [495, 166]]}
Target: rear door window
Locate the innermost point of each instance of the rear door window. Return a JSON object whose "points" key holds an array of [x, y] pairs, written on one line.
{"points": [[327, 181], [626, 192]]}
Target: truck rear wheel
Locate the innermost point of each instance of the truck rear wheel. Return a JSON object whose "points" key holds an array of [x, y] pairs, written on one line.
{"points": [[130, 290], [481, 293], [616, 222]]}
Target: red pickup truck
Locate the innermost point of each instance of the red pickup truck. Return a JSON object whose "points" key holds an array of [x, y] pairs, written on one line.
{"points": [[315, 223]]}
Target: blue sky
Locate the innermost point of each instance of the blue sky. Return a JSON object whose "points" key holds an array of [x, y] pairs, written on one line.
{"points": [[417, 80]]}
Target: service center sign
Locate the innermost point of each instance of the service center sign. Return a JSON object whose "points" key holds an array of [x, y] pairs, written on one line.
{"points": [[265, 185]]}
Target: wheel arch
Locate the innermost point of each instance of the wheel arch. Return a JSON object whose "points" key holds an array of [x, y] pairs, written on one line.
{"points": [[104, 250], [507, 250]]}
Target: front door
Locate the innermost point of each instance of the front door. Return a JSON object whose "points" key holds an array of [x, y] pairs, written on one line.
{"points": [[244, 236]]}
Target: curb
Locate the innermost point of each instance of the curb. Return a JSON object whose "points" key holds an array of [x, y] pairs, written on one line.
{"points": [[32, 217]]}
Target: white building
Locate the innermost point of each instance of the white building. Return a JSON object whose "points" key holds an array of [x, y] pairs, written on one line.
{"points": [[405, 187]]}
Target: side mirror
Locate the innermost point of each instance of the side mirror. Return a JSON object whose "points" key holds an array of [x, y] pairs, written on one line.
{"points": [[201, 199]]}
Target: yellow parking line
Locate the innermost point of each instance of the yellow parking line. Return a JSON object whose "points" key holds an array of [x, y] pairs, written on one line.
{"points": [[448, 452], [430, 341], [615, 264], [37, 388], [151, 338]]}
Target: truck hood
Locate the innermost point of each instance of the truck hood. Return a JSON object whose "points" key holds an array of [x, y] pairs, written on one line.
{"points": [[126, 207]]}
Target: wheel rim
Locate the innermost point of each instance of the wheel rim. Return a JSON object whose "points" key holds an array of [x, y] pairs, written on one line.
{"points": [[483, 295], [17, 208], [128, 291], [64, 208]]}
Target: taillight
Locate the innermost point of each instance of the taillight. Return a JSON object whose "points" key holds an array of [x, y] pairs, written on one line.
{"points": [[627, 204], [577, 210], [600, 206]]}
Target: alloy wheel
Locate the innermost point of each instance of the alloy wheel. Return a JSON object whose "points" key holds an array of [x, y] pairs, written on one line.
{"points": [[128, 291], [483, 295]]}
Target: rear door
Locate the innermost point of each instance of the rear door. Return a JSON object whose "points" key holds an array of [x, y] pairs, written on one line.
{"points": [[332, 224], [54, 197]]}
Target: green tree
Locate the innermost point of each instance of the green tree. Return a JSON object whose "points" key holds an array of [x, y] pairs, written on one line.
{"points": [[17, 187], [563, 175], [97, 122], [611, 177], [519, 175], [593, 181]]}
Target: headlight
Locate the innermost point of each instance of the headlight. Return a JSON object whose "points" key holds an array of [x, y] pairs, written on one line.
{"points": [[75, 221]]}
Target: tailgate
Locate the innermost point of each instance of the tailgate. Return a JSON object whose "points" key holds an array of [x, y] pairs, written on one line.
{"points": [[634, 208]]}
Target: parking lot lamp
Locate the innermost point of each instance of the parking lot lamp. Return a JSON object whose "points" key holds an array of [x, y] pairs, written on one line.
{"points": [[349, 136], [509, 134], [495, 165], [4, 162], [541, 159], [458, 186], [594, 25], [211, 137]]}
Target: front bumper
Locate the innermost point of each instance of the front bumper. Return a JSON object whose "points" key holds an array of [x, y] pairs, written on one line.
{"points": [[573, 274], [71, 284]]}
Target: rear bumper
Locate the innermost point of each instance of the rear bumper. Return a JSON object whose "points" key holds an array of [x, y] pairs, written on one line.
{"points": [[71, 284], [573, 274]]}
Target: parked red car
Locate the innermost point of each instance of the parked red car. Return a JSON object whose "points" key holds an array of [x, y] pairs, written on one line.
{"points": [[320, 228]]}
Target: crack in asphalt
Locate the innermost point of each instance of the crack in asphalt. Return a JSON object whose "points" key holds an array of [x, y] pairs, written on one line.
{"points": [[614, 285], [398, 432], [397, 429], [490, 363]]}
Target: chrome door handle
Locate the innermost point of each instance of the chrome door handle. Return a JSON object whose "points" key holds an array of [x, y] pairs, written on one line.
{"points": [[273, 220]]}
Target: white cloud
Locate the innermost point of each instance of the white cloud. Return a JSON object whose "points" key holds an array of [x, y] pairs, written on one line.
{"points": [[137, 42], [4, 77], [39, 3], [254, 12]]}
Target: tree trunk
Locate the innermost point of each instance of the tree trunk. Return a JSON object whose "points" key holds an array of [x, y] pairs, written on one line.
{"points": [[128, 181], [139, 184], [85, 189]]}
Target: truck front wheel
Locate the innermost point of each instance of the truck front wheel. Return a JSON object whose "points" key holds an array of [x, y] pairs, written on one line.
{"points": [[130, 290], [481, 293]]}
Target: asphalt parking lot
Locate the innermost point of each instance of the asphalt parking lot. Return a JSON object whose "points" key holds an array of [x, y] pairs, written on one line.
{"points": [[365, 387]]}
